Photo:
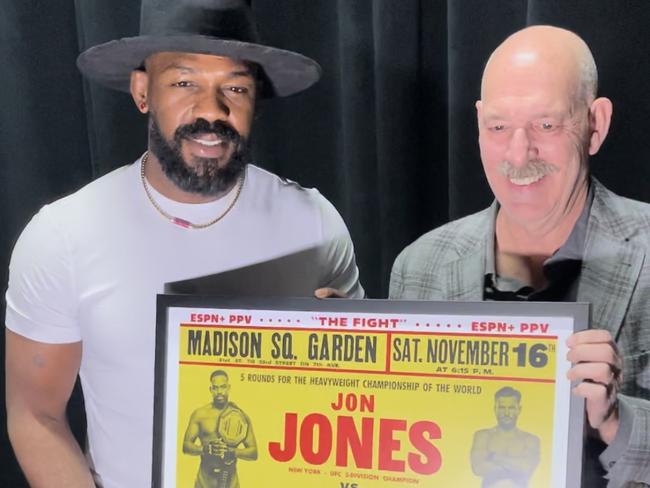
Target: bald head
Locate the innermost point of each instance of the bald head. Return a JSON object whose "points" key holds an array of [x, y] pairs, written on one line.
{"points": [[545, 52], [539, 121]]}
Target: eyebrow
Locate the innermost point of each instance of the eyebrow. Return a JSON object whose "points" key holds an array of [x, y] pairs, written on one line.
{"points": [[241, 73], [187, 69], [534, 116], [177, 67]]}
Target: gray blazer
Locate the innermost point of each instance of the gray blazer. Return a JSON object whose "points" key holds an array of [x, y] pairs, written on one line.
{"points": [[448, 263]]}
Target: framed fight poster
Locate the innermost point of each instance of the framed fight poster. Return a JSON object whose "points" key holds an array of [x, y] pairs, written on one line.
{"points": [[260, 392]]}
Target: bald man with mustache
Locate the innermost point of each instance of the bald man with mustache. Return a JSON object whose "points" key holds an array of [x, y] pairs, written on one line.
{"points": [[554, 233]]}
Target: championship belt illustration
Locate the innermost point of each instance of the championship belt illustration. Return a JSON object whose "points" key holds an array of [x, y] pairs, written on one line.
{"points": [[232, 428]]}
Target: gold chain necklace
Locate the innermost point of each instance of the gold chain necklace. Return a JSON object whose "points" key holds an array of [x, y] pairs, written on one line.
{"points": [[177, 220]]}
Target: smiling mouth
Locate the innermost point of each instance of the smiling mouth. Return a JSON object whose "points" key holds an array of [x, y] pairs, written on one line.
{"points": [[208, 141], [209, 145], [528, 180]]}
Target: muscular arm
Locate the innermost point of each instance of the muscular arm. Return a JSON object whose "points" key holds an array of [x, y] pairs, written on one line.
{"points": [[40, 378], [525, 462], [496, 465], [481, 458], [189, 440]]}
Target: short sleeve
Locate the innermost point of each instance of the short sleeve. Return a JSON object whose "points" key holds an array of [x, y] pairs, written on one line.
{"points": [[340, 270], [41, 301]]}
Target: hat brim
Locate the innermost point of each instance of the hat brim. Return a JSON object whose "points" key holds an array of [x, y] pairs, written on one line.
{"points": [[111, 64]]}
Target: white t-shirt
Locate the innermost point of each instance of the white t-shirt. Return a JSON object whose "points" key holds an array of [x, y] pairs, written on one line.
{"points": [[88, 268]]}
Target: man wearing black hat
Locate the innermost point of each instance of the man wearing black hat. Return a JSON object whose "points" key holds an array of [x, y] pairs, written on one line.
{"points": [[85, 272]]}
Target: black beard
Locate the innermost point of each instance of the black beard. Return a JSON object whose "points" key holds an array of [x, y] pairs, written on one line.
{"points": [[204, 177], [219, 404]]}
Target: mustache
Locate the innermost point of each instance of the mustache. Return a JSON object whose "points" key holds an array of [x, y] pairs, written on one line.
{"points": [[534, 168], [220, 128]]}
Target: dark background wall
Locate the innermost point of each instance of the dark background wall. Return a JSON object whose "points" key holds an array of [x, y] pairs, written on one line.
{"points": [[388, 135]]}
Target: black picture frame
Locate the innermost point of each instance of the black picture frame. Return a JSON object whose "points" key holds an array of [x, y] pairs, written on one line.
{"points": [[579, 313]]}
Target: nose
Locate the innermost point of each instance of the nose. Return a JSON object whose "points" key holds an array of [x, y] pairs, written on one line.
{"points": [[520, 147], [211, 106]]}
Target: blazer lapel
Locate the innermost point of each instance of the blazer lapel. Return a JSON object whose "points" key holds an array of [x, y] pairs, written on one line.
{"points": [[609, 273], [611, 265], [464, 278]]}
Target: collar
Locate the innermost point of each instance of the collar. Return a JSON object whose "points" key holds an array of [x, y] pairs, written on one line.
{"points": [[572, 249]]}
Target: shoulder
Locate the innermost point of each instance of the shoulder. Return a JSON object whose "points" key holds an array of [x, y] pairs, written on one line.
{"points": [[93, 199], [202, 412], [305, 207], [44, 245], [483, 435], [266, 184], [620, 216], [52, 228], [448, 242], [418, 271], [57, 226], [42, 294], [306, 219], [528, 437]]}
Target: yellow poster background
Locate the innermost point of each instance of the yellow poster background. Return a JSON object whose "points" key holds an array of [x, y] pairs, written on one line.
{"points": [[266, 394]]}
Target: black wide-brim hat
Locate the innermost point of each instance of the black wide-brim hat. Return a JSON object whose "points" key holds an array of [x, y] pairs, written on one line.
{"points": [[217, 27]]}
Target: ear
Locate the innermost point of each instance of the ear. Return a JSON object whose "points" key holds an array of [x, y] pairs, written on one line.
{"points": [[600, 116], [139, 87], [479, 111]]}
